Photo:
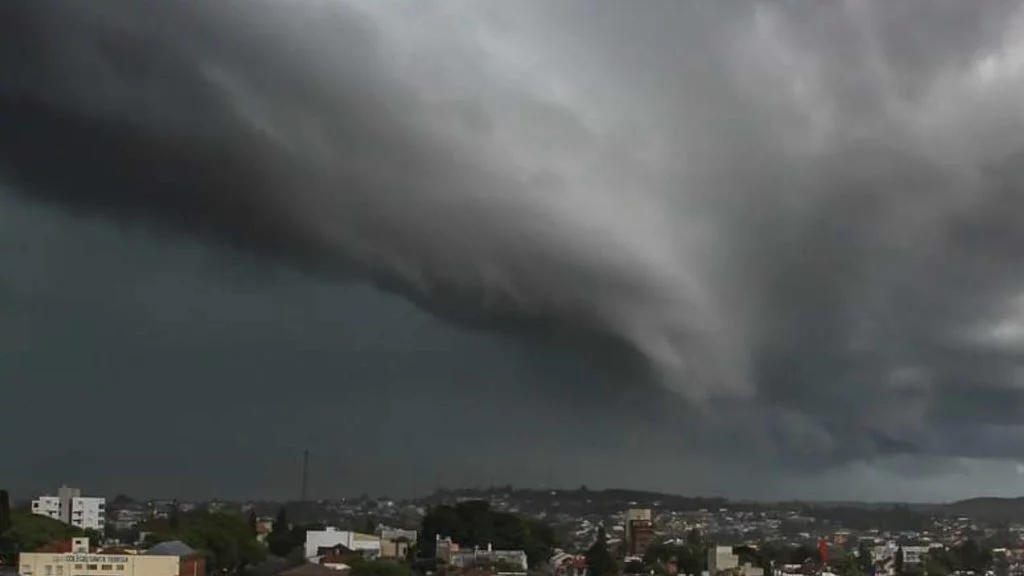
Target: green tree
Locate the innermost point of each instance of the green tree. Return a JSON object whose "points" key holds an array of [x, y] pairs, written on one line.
{"points": [[28, 532], [846, 565], [253, 524], [599, 559], [5, 511], [297, 557], [279, 541], [174, 517], [297, 535], [225, 538], [802, 554], [865, 557], [95, 536], [476, 524], [970, 555], [540, 541], [937, 563], [770, 555]]}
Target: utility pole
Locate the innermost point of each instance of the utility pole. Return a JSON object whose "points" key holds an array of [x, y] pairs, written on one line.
{"points": [[305, 475]]}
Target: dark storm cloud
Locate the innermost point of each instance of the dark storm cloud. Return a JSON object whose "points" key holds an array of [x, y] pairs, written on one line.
{"points": [[803, 223]]}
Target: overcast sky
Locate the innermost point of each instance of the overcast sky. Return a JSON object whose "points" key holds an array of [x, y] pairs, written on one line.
{"points": [[651, 244]]}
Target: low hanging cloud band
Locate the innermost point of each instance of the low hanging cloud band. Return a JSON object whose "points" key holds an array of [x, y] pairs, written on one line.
{"points": [[807, 220]]}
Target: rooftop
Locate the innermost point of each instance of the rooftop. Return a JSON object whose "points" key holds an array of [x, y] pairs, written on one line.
{"points": [[171, 548]]}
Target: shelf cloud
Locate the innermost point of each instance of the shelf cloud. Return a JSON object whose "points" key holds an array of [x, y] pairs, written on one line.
{"points": [[800, 226]]}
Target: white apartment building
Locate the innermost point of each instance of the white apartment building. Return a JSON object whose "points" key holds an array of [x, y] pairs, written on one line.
{"points": [[721, 558], [724, 558], [70, 507], [48, 506], [88, 513]]}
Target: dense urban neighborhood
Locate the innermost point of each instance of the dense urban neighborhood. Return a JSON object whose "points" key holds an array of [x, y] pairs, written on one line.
{"points": [[504, 530]]}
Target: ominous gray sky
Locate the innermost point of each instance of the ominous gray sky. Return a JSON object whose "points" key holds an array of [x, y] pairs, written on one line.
{"points": [[649, 244]]}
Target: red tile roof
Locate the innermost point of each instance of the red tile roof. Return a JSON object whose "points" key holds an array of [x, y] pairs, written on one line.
{"points": [[60, 546]]}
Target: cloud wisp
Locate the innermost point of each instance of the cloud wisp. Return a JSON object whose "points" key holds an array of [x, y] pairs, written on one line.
{"points": [[806, 223]]}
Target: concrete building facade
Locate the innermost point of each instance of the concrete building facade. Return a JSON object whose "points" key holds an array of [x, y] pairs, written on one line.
{"points": [[452, 554], [367, 544], [48, 506], [721, 558], [635, 515], [77, 558], [395, 543], [88, 513], [724, 559], [70, 507], [641, 537], [915, 555]]}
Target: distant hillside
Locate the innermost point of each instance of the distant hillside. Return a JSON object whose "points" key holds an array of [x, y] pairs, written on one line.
{"points": [[893, 515], [987, 509]]}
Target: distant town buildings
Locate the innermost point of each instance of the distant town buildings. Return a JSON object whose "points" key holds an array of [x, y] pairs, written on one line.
{"points": [[643, 533], [70, 507]]}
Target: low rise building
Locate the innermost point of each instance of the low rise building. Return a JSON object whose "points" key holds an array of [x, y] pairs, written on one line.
{"points": [[78, 558], [723, 559], [395, 543], [915, 555], [452, 554], [366, 544]]}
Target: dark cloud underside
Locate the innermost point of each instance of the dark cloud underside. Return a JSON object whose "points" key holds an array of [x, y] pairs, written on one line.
{"points": [[544, 243]]}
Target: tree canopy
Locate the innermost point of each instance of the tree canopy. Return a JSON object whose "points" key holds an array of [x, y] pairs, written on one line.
{"points": [[475, 523], [5, 511], [968, 556], [226, 539], [281, 540], [599, 558], [27, 532]]}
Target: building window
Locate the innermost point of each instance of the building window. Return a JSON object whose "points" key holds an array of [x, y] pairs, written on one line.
{"points": [[107, 567], [60, 570], [90, 567], [78, 566], [48, 569]]}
